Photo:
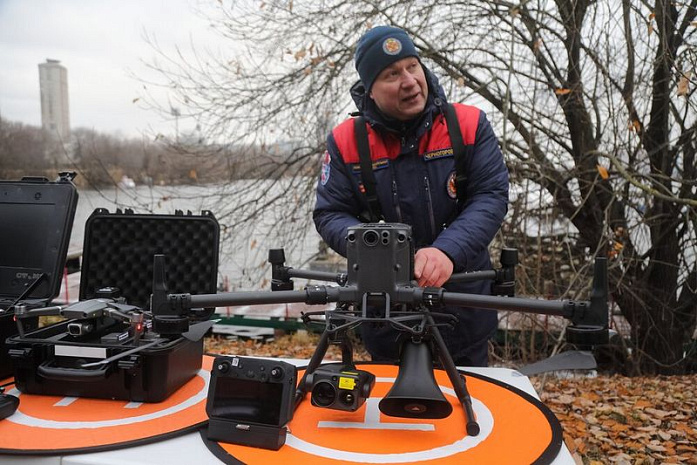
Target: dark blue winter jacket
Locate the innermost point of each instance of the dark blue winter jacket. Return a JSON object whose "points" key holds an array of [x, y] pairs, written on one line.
{"points": [[414, 168], [414, 187]]}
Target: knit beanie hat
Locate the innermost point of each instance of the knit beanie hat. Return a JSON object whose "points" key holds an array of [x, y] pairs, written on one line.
{"points": [[379, 48]]}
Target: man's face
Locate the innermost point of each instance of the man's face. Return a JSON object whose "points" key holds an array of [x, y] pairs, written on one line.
{"points": [[400, 90]]}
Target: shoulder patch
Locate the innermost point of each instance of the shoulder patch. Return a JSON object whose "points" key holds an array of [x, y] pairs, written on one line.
{"points": [[326, 168]]}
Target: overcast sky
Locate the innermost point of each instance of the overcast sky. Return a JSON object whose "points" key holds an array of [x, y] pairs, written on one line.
{"points": [[101, 43]]}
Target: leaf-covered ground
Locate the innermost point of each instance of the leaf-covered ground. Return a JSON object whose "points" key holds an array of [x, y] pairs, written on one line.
{"points": [[614, 419], [606, 419]]}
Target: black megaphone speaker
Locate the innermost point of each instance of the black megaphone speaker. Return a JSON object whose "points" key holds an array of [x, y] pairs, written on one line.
{"points": [[415, 393]]}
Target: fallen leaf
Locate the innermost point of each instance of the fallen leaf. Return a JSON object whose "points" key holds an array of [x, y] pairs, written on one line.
{"points": [[603, 171], [683, 84], [655, 448]]}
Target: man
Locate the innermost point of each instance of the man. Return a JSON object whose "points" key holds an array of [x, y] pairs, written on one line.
{"points": [[413, 165]]}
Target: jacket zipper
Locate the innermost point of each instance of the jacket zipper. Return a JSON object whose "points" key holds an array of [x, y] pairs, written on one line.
{"points": [[429, 201], [395, 200]]}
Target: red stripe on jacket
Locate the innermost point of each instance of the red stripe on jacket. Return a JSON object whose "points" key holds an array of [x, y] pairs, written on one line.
{"points": [[389, 147]]}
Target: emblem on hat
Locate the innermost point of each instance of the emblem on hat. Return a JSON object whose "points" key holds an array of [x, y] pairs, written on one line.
{"points": [[392, 46]]}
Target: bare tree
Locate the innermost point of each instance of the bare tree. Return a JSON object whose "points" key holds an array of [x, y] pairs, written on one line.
{"points": [[593, 102], [22, 145]]}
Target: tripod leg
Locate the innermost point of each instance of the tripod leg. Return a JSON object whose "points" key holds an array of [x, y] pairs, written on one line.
{"points": [[458, 381], [315, 361]]}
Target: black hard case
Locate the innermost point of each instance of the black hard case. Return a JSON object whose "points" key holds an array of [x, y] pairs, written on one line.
{"points": [[36, 218], [149, 375], [118, 251]]}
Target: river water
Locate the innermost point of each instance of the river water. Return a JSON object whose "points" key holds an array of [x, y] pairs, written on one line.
{"points": [[244, 247]]}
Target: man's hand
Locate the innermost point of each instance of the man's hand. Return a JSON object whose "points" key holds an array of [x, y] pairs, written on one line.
{"points": [[432, 267]]}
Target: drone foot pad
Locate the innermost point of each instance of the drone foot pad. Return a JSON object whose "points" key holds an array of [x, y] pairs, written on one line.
{"points": [[51, 425]]}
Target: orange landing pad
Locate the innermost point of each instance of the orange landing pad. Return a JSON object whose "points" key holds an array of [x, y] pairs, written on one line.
{"points": [[516, 428], [52, 425]]}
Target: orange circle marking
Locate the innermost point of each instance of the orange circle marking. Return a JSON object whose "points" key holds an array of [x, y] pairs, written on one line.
{"points": [[516, 428], [51, 423]]}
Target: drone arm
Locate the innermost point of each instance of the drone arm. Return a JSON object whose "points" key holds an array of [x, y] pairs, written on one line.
{"points": [[503, 276], [21, 311], [188, 301], [473, 276], [281, 274], [565, 308], [589, 318], [312, 295], [339, 278], [129, 317]]}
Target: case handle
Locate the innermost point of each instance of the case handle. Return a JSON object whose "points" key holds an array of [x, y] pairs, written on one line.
{"points": [[70, 374]]}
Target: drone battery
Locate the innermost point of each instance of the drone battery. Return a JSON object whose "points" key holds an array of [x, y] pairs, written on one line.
{"points": [[118, 251], [51, 361], [115, 338], [37, 218]]}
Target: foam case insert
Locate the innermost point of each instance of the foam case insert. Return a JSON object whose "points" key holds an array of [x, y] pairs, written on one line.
{"points": [[118, 251]]}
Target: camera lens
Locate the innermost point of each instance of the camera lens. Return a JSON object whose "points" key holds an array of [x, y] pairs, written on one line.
{"points": [[347, 398], [323, 394], [78, 329], [385, 237], [370, 237]]}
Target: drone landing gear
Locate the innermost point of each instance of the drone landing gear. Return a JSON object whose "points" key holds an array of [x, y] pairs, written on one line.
{"points": [[415, 393]]}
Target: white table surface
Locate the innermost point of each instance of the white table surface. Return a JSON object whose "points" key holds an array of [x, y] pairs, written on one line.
{"points": [[190, 449]]}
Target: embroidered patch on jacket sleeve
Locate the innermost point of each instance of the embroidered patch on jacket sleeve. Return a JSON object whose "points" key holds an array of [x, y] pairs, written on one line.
{"points": [[326, 168]]}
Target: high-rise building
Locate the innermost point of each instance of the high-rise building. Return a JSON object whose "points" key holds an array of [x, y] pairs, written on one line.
{"points": [[55, 111]]}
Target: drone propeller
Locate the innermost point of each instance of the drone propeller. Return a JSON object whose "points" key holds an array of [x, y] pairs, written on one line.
{"points": [[570, 360], [198, 330], [124, 308]]}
